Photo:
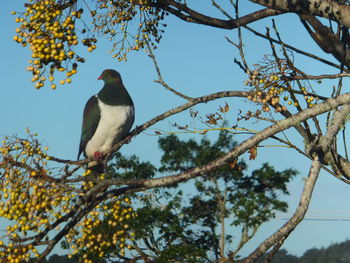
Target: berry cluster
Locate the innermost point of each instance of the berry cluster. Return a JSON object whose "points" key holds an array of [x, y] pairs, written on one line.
{"points": [[48, 27], [114, 17], [29, 200], [272, 85], [103, 232], [267, 92]]}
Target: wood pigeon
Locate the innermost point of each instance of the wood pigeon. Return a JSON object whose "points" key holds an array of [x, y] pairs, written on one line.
{"points": [[108, 117]]}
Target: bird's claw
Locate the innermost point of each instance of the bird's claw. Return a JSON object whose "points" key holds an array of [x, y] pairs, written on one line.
{"points": [[98, 156]]}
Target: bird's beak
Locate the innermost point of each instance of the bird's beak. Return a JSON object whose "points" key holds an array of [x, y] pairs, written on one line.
{"points": [[100, 77]]}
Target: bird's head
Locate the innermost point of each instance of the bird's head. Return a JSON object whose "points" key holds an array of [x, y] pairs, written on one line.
{"points": [[110, 75]]}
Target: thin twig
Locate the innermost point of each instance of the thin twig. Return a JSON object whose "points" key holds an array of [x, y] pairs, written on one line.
{"points": [[223, 11], [160, 78], [327, 62], [177, 93], [240, 38]]}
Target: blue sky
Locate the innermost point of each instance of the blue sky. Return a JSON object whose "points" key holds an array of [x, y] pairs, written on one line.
{"points": [[194, 59]]}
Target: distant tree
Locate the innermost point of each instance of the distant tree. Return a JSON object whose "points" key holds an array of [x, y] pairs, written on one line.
{"points": [[282, 256], [338, 253], [335, 253]]}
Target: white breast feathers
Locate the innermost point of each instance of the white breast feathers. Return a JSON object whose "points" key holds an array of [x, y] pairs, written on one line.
{"points": [[115, 123]]}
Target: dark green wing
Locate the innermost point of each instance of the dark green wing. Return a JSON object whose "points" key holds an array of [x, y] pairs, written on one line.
{"points": [[91, 118]]}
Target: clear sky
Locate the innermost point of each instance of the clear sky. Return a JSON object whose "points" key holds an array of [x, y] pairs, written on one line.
{"points": [[194, 59]]}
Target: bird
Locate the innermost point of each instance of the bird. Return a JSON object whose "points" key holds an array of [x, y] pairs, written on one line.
{"points": [[108, 117]]}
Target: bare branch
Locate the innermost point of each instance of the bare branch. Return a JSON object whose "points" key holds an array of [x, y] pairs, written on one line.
{"points": [[165, 85], [296, 49], [298, 216], [322, 76], [160, 78], [146, 125], [182, 11]]}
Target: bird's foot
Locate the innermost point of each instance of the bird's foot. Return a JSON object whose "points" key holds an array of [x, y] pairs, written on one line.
{"points": [[128, 138], [98, 156]]}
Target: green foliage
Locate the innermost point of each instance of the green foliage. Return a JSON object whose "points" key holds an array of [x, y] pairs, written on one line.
{"points": [[166, 231], [170, 229], [251, 198], [130, 168], [181, 155], [256, 197]]}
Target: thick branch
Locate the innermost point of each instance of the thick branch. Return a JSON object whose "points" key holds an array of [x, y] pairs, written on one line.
{"points": [[333, 10], [337, 123], [337, 162], [182, 11], [326, 40]]}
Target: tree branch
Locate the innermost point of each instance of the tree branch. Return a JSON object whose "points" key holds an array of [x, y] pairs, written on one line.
{"points": [[329, 63], [326, 40], [160, 78], [333, 10], [298, 216], [183, 107], [237, 151], [280, 235], [182, 11]]}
